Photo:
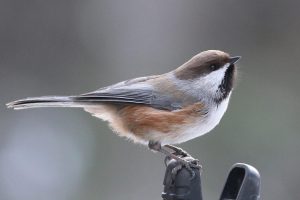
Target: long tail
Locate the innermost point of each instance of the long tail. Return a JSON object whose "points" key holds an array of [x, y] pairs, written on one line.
{"points": [[48, 101]]}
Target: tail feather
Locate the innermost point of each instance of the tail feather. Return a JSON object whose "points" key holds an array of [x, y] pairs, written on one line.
{"points": [[45, 101], [73, 101]]}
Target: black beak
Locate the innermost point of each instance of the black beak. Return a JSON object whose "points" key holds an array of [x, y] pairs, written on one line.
{"points": [[234, 59]]}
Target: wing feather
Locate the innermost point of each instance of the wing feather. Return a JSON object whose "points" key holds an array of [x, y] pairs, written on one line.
{"points": [[133, 91]]}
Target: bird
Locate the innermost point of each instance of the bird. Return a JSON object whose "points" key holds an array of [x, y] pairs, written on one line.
{"points": [[159, 110]]}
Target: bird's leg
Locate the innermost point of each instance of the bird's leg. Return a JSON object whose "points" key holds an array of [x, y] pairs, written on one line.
{"points": [[177, 154], [182, 153], [156, 146], [178, 151]]}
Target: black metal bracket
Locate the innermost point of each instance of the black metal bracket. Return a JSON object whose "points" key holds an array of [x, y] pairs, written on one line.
{"points": [[243, 182]]}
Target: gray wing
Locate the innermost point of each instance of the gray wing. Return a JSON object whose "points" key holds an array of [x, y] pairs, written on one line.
{"points": [[134, 91]]}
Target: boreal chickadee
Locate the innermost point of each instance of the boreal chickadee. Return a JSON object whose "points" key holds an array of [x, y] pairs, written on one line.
{"points": [[164, 109]]}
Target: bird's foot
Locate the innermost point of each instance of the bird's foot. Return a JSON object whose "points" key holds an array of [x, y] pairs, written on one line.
{"points": [[178, 154], [189, 163], [178, 151]]}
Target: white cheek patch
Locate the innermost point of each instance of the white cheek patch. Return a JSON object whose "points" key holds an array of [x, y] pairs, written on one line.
{"points": [[213, 79], [204, 86]]}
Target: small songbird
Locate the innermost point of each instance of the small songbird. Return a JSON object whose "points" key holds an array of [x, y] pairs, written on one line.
{"points": [[159, 110]]}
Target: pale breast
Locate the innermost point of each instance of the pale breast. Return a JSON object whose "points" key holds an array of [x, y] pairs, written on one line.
{"points": [[143, 123], [199, 127]]}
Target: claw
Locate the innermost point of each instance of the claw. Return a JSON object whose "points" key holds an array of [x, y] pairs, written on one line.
{"points": [[189, 163], [188, 167]]}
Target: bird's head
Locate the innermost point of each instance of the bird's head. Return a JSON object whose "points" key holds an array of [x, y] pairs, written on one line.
{"points": [[211, 72]]}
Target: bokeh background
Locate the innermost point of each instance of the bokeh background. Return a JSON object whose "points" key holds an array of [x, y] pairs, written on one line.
{"points": [[69, 47]]}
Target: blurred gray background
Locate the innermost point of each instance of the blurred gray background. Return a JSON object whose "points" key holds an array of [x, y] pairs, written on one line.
{"points": [[70, 47]]}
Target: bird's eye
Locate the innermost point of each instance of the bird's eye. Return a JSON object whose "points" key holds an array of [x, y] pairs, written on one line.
{"points": [[213, 67]]}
